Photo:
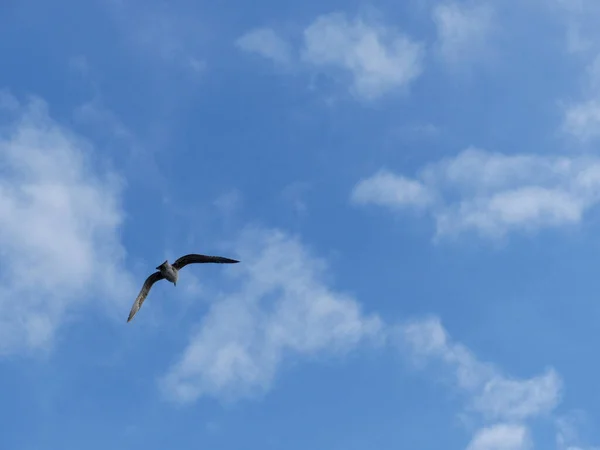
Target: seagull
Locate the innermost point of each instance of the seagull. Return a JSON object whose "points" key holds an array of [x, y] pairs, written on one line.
{"points": [[170, 272]]}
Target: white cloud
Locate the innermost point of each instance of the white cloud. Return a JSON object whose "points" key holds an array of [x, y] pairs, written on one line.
{"points": [[582, 118], [508, 399], [268, 44], [463, 30], [374, 59], [580, 18], [380, 59], [494, 194], [489, 393], [282, 308], [527, 208], [59, 228], [501, 437], [426, 340], [568, 431], [389, 190]]}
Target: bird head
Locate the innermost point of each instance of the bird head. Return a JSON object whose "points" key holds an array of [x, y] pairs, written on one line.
{"points": [[163, 265]]}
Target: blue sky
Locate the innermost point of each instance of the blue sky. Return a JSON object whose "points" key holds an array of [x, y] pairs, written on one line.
{"points": [[412, 190]]}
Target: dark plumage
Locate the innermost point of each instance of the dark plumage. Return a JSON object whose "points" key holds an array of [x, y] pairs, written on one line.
{"points": [[170, 272]]}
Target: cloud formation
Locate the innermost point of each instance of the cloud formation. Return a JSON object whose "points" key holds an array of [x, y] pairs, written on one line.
{"points": [[391, 191], [380, 59], [463, 30], [372, 58], [282, 308], [501, 437], [582, 117], [59, 227], [491, 194], [502, 405], [266, 43]]}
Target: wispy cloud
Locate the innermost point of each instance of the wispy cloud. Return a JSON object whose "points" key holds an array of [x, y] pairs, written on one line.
{"points": [[580, 18], [374, 59], [492, 193], [501, 437], [379, 58], [582, 120], [282, 309], [59, 228], [491, 394], [569, 434], [503, 405], [582, 117], [464, 30], [268, 44], [506, 399], [389, 190]]}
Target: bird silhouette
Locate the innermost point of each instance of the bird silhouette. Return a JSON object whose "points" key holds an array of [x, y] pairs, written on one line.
{"points": [[170, 272]]}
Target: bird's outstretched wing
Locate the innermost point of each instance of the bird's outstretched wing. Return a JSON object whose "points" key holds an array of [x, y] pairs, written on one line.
{"points": [[156, 276], [193, 258]]}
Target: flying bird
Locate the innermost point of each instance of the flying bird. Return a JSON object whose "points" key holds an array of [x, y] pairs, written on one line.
{"points": [[170, 272]]}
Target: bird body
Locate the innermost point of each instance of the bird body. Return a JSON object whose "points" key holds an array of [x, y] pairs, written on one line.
{"points": [[170, 272]]}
